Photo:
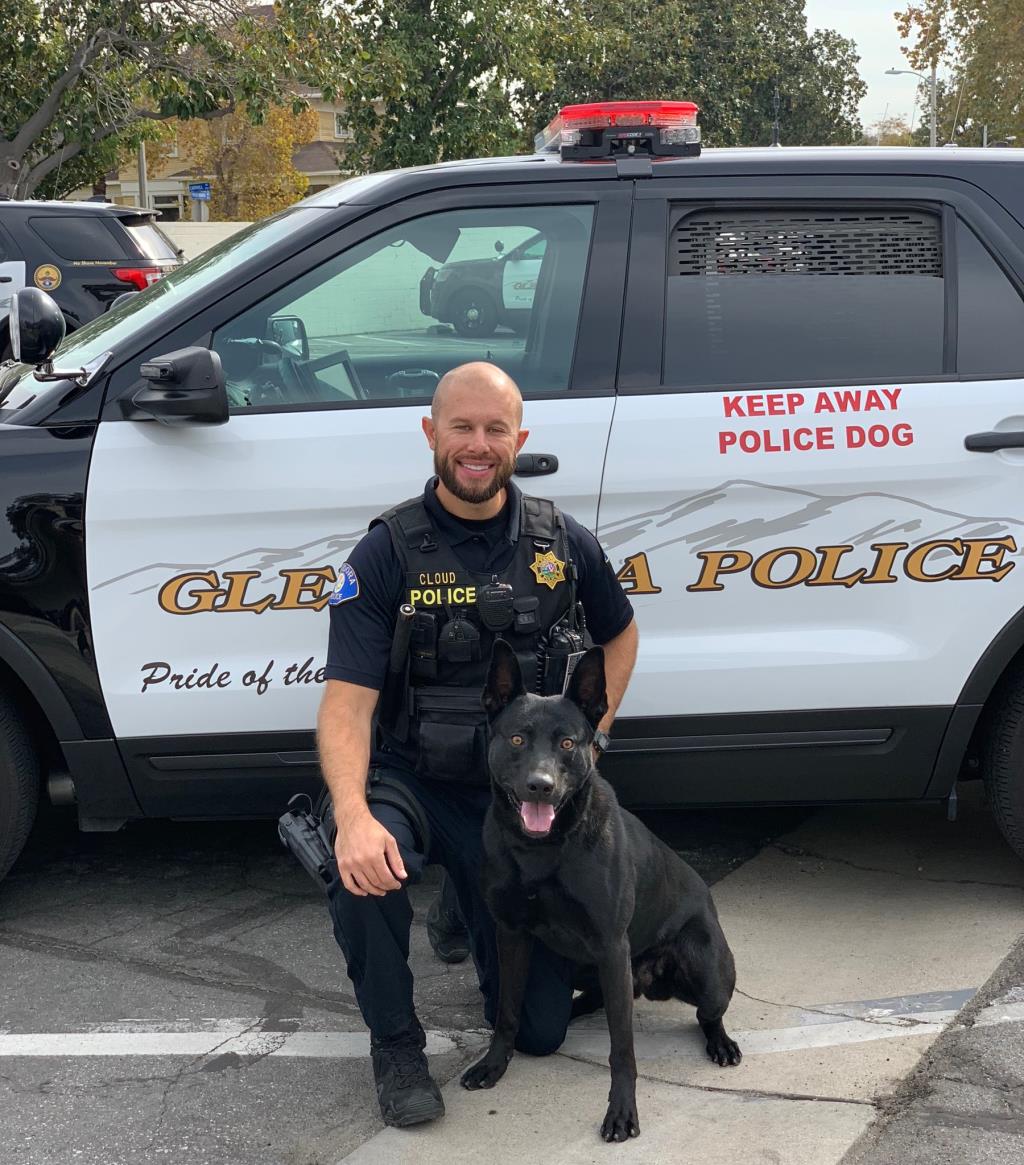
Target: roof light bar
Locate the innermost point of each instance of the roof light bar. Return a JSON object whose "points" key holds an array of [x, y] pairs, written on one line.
{"points": [[608, 129]]}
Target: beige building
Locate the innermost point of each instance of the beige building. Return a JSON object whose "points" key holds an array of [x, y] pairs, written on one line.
{"points": [[168, 177]]}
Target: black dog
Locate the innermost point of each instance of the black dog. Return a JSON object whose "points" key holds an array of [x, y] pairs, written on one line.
{"points": [[565, 864]]}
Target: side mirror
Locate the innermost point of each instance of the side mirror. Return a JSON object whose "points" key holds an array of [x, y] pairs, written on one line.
{"points": [[186, 386], [37, 326], [290, 333], [499, 246]]}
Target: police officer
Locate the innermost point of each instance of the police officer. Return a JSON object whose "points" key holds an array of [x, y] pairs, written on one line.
{"points": [[416, 609]]}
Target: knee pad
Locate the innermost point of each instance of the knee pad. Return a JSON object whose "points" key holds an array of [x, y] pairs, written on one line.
{"points": [[383, 789]]}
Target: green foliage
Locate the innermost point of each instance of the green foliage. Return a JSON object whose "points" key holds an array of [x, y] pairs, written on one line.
{"points": [[727, 57], [433, 79], [84, 77], [437, 79]]}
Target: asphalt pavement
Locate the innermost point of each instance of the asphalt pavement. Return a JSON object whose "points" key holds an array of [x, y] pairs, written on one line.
{"points": [[173, 993]]}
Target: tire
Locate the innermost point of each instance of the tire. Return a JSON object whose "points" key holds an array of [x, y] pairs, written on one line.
{"points": [[1002, 760], [19, 783], [473, 313]]}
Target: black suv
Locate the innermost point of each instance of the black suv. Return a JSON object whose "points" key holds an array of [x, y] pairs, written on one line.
{"points": [[84, 254]]}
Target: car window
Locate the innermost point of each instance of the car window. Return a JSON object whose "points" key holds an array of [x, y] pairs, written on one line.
{"points": [[83, 238], [535, 250], [7, 250], [149, 239], [990, 312], [844, 294], [386, 319]]}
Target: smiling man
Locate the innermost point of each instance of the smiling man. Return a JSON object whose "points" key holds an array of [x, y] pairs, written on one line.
{"points": [[420, 602]]}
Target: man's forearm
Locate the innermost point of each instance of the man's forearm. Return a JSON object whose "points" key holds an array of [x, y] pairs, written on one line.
{"points": [[343, 738], [619, 658]]}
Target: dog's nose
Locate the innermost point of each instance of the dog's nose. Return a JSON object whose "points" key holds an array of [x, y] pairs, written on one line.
{"points": [[540, 785]]}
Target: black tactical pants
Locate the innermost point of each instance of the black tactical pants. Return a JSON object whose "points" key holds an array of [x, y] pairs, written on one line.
{"points": [[373, 932]]}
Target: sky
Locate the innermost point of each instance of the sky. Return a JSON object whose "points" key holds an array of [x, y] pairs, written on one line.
{"points": [[870, 24]]}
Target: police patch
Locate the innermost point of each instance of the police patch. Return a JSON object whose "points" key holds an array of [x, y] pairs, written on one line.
{"points": [[347, 588]]}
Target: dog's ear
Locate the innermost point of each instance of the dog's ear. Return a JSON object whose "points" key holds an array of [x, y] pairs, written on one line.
{"points": [[504, 679], [587, 686]]}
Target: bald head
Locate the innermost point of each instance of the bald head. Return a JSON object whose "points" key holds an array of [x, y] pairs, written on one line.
{"points": [[475, 430], [478, 380]]}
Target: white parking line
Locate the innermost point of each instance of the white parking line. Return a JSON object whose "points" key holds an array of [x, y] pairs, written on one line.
{"points": [[142, 1037], [241, 1042]]}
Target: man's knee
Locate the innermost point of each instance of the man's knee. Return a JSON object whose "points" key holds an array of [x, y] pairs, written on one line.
{"points": [[540, 1039]]}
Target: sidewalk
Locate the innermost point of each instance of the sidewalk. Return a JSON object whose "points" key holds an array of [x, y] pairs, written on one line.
{"points": [[964, 1103]]}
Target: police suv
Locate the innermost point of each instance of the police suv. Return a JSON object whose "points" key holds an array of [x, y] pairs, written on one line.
{"points": [[784, 386], [84, 254]]}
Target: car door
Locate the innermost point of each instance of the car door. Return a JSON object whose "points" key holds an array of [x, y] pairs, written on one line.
{"points": [[12, 275], [816, 560], [212, 550], [520, 272]]}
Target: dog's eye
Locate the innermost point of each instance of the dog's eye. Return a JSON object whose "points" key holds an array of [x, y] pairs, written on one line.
{"points": [[568, 742], [517, 740]]}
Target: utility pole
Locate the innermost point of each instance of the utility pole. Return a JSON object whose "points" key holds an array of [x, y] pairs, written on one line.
{"points": [[143, 180], [775, 123]]}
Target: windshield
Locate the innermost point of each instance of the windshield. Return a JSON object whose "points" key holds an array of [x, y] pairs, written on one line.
{"points": [[142, 311]]}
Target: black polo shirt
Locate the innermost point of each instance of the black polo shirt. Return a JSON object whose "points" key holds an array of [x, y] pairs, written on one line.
{"points": [[362, 626]]}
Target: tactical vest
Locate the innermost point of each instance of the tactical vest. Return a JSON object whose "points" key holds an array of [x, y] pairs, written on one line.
{"points": [[430, 711]]}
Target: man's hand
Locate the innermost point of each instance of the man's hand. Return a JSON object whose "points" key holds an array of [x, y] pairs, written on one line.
{"points": [[368, 857]]}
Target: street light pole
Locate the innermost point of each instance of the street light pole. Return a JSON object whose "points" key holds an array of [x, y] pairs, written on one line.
{"points": [[933, 132]]}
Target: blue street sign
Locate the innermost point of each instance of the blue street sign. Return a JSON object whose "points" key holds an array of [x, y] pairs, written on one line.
{"points": [[199, 191]]}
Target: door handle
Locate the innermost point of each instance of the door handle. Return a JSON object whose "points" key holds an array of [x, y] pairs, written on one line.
{"points": [[991, 442], [6, 278], [536, 464]]}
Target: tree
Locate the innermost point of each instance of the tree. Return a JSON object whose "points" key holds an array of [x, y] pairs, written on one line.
{"points": [[980, 46], [729, 58], [85, 79], [435, 79], [888, 131], [250, 166]]}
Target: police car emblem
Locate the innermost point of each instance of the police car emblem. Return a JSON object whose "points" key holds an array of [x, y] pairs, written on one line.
{"points": [[548, 569], [47, 277], [347, 588]]}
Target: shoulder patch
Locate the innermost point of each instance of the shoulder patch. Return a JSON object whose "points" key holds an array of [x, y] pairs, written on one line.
{"points": [[347, 588]]}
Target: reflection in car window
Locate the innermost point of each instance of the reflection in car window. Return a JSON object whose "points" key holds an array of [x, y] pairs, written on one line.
{"points": [[386, 319], [990, 313]]}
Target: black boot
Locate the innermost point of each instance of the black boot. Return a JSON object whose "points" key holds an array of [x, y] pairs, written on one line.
{"points": [[407, 1094], [446, 930]]}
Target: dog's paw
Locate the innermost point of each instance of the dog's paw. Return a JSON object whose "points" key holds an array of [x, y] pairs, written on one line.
{"points": [[723, 1050], [620, 1121], [485, 1073]]}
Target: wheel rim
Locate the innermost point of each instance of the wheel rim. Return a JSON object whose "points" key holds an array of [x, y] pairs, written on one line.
{"points": [[471, 316]]}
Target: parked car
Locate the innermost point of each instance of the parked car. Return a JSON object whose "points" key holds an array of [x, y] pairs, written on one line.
{"points": [[782, 385], [476, 295], [84, 254]]}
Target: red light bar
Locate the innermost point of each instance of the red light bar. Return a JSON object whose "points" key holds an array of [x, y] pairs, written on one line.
{"points": [[602, 129]]}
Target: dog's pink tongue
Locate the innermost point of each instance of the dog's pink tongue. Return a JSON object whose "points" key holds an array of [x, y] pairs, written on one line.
{"points": [[537, 816]]}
